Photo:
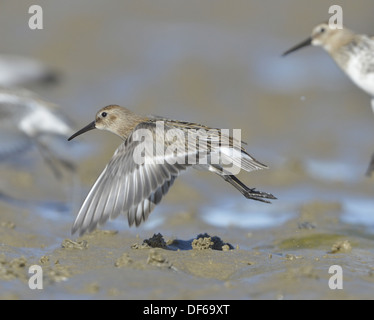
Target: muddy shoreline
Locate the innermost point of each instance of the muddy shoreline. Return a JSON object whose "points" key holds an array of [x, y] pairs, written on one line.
{"points": [[287, 262]]}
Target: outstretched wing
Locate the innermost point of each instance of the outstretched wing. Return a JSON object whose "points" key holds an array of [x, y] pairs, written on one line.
{"points": [[128, 186]]}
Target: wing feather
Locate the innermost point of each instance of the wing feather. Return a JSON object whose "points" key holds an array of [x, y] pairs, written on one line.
{"points": [[126, 187]]}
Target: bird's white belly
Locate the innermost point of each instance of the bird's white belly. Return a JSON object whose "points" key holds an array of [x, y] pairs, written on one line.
{"points": [[363, 80]]}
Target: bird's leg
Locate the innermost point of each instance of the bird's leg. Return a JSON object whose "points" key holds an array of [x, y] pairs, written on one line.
{"points": [[371, 167], [53, 161], [247, 192], [49, 159], [67, 164], [371, 164]]}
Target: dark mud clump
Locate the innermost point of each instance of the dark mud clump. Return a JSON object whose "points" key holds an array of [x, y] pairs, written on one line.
{"points": [[201, 242], [205, 241], [157, 241]]}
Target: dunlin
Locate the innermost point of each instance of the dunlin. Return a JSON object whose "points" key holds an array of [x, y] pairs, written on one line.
{"points": [[21, 71], [134, 188], [26, 121], [353, 53]]}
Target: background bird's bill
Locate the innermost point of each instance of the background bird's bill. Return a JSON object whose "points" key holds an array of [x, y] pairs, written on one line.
{"points": [[303, 44]]}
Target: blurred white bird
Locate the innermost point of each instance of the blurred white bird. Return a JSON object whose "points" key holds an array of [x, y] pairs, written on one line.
{"points": [[18, 71], [26, 121]]}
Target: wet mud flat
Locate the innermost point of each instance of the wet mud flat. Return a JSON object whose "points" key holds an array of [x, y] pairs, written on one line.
{"points": [[234, 80], [291, 261]]}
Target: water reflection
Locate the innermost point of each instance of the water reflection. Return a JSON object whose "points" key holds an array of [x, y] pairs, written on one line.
{"points": [[236, 212]]}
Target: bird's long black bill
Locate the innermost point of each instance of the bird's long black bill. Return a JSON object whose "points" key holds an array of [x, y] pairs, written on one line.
{"points": [[89, 127], [305, 43]]}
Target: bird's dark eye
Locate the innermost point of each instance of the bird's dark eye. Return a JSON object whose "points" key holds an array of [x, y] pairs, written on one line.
{"points": [[104, 114], [323, 30]]}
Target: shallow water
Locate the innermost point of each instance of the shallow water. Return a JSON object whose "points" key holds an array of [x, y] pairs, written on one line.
{"points": [[221, 65]]}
